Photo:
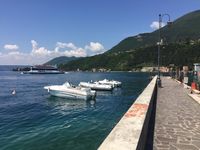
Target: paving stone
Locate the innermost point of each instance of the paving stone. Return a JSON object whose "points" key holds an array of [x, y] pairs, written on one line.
{"points": [[184, 142], [165, 139], [195, 139], [162, 146], [154, 148], [185, 147], [177, 124], [196, 143], [172, 148]]}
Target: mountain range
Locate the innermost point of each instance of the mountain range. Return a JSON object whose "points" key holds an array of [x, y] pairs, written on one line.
{"points": [[60, 60], [181, 46]]}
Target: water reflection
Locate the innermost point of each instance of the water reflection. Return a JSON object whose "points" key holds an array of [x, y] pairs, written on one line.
{"points": [[91, 103], [104, 93], [115, 91], [65, 104]]}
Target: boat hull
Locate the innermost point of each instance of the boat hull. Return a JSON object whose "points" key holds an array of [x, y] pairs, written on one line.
{"points": [[45, 72], [97, 87], [70, 95], [112, 83]]}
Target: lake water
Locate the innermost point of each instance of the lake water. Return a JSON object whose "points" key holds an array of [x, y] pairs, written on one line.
{"points": [[33, 120]]}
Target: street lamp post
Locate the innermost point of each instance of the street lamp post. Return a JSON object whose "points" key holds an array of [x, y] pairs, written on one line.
{"points": [[160, 43]]}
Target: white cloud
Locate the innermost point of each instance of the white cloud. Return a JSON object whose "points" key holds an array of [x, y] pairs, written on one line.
{"points": [[65, 45], [41, 51], [40, 55], [155, 25], [95, 47], [34, 45], [11, 47], [77, 53], [68, 46], [68, 49]]}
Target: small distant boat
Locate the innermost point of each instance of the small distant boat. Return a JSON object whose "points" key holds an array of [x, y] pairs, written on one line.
{"points": [[110, 82], [96, 86], [13, 92], [69, 91], [43, 69]]}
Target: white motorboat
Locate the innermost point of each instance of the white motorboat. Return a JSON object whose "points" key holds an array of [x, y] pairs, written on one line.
{"points": [[96, 86], [110, 82], [69, 91]]}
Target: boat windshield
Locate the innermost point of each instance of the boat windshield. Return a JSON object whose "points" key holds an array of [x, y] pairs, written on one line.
{"points": [[67, 84]]}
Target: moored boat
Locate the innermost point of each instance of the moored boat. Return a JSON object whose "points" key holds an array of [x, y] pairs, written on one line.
{"points": [[69, 91], [96, 86], [114, 83]]}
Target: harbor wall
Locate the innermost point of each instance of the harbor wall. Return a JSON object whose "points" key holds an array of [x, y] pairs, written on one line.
{"points": [[135, 129]]}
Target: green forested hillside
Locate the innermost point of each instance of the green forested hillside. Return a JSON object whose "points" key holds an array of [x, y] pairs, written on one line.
{"points": [[181, 47], [182, 30], [60, 60], [178, 54]]}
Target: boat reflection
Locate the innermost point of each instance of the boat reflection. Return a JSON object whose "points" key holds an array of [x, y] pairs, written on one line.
{"points": [[65, 104], [114, 92], [103, 93]]}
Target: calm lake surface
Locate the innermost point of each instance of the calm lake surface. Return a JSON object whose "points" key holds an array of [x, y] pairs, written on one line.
{"points": [[33, 120]]}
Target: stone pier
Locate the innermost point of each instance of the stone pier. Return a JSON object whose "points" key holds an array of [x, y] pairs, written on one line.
{"points": [[166, 118], [131, 132], [177, 122]]}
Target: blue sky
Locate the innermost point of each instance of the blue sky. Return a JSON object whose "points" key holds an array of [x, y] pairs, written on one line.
{"points": [[33, 31]]}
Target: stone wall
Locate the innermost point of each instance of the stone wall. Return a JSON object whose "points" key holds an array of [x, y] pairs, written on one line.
{"points": [[132, 130]]}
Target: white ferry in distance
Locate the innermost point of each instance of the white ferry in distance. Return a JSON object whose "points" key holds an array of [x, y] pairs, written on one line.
{"points": [[43, 69]]}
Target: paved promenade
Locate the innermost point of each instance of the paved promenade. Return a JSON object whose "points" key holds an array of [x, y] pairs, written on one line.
{"points": [[177, 124]]}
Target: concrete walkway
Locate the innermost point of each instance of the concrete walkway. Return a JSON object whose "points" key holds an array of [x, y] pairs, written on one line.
{"points": [[177, 124]]}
